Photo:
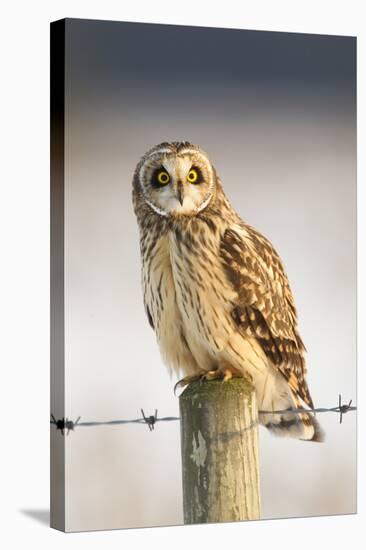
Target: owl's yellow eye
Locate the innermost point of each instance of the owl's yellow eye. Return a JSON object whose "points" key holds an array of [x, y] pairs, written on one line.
{"points": [[192, 176], [163, 177]]}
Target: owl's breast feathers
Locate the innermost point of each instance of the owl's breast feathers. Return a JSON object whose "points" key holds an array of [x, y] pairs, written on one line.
{"points": [[265, 307]]}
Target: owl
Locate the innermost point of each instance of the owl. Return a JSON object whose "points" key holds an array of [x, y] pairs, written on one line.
{"points": [[215, 290]]}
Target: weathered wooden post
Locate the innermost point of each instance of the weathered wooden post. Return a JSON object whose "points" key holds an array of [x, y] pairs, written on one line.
{"points": [[219, 440]]}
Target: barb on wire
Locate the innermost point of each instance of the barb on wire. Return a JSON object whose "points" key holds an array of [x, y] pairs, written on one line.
{"points": [[70, 425], [64, 424], [150, 420], [344, 408]]}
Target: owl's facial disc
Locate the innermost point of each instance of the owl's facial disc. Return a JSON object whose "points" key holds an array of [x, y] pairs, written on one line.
{"points": [[177, 184]]}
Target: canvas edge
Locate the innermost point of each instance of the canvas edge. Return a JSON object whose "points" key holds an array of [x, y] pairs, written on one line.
{"points": [[57, 298]]}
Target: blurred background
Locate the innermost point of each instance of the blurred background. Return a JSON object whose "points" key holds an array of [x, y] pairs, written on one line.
{"points": [[276, 112]]}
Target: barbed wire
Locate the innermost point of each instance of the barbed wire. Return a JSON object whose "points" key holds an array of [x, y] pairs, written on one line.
{"points": [[67, 425]]}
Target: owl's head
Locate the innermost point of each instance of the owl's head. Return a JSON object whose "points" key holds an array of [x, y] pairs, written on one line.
{"points": [[176, 179]]}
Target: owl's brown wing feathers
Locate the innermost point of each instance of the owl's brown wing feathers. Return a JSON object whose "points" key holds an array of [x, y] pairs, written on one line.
{"points": [[265, 306]]}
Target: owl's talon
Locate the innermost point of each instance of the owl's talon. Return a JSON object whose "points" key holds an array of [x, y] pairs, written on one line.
{"points": [[188, 380], [228, 375], [211, 375]]}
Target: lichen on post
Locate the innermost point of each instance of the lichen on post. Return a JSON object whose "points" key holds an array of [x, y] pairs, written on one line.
{"points": [[219, 440]]}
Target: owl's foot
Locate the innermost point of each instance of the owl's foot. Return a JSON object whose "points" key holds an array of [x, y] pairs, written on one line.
{"points": [[225, 373]]}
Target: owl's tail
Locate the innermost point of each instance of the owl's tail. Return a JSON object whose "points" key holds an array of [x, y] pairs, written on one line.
{"points": [[298, 426], [287, 424]]}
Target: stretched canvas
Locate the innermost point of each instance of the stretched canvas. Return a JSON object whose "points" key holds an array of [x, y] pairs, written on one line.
{"points": [[203, 240]]}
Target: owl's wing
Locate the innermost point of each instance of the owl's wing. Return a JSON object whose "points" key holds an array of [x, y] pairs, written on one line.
{"points": [[265, 308]]}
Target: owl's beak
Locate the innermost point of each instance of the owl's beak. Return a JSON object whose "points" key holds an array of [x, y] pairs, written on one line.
{"points": [[180, 192]]}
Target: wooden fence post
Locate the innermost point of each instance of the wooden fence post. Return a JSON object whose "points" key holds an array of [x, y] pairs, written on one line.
{"points": [[219, 442]]}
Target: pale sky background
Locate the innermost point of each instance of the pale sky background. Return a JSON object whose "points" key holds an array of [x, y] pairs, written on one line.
{"points": [[276, 114]]}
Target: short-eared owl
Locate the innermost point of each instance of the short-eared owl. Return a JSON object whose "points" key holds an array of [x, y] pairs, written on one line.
{"points": [[215, 291]]}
